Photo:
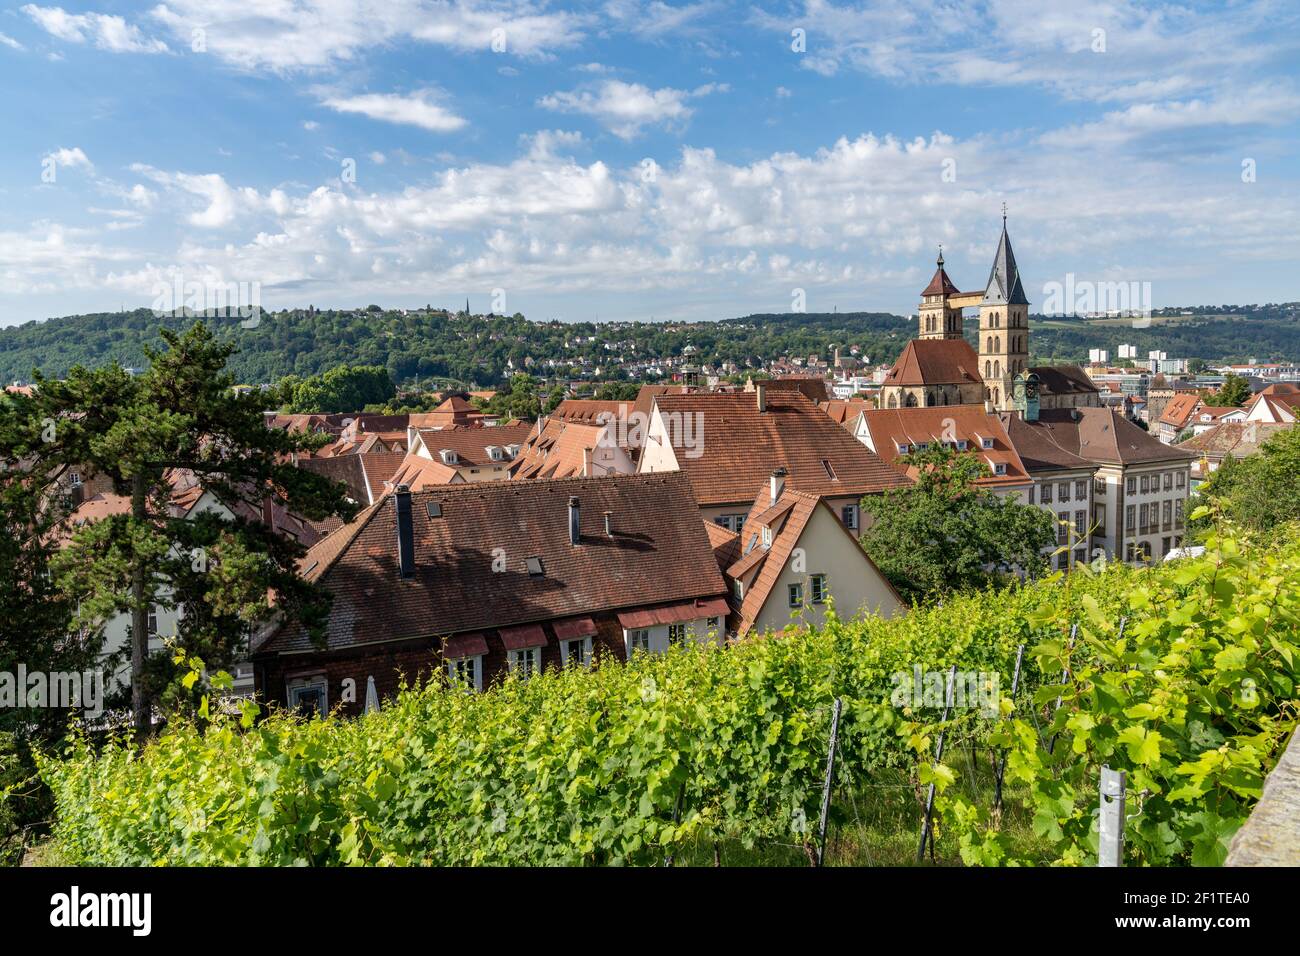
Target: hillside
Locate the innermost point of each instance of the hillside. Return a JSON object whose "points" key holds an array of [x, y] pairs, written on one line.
{"points": [[470, 350]]}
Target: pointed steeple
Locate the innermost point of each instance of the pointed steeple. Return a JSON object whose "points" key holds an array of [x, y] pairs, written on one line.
{"points": [[940, 284], [1004, 286]]}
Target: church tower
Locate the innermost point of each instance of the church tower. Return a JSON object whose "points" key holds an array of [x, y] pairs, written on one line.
{"points": [[939, 318], [1004, 326]]}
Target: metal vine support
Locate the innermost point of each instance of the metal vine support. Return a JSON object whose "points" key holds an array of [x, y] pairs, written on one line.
{"points": [[927, 832]]}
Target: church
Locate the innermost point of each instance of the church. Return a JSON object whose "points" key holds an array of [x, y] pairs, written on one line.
{"points": [[940, 367]]}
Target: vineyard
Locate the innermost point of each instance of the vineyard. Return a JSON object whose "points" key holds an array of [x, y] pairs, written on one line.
{"points": [[1183, 676]]}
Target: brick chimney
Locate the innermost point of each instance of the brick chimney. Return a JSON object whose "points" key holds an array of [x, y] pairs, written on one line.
{"points": [[405, 531]]}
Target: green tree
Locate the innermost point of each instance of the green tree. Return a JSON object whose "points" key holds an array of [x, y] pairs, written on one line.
{"points": [[346, 388], [1261, 491], [557, 394], [946, 533], [179, 417], [1233, 393]]}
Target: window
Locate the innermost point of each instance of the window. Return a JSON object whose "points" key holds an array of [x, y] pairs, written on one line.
{"points": [[1142, 519], [151, 627], [1167, 516], [307, 696], [1130, 521], [1062, 527], [1099, 488], [1169, 481], [639, 639], [1000, 468], [796, 595], [1047, 493], [526, 662], [1081, 490], [1146, 484], [1099, 519], [819, 589], [730, 522], [1131, 485], [767, 537], [576, 651], [534, 567], [1080, 555], [1029, 495], [1080, 521], [1164, 545], [433, 509], [849, 516], [1129, 552], [986, 443], [1178, 512], [1063, 491], [739, 587], [961, 444], [830, 472], [1182, 479], [75, 478], [712, 623], [903, 449], [676, 633], [466, 672]]}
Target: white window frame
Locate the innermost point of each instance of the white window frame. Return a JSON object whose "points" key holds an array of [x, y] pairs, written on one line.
{"points": [[817, 588], [585, 645], [794, 595], [315, 682], [453, 667], [853, 515], [516, 658], [637, 638]]}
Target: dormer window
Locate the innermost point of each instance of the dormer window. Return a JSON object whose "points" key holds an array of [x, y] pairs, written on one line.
{"points": [[961, 444], [767, 537], [448, 457], [495, 452], [904, 448], [1000, 468], [986, 443], [512, 451]]}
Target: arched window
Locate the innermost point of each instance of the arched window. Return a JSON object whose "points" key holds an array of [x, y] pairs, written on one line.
{"points": [[911, 401], [893, 400], [996, 397], [997, 344], [997, 369], [988, 369]]}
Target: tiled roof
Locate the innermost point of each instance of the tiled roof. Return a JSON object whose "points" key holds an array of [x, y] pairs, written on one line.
{"points": [[891, 427], [740, 447], [418, 473], [590, 411], [726, 544], [845, 411], [1238, 439], [1037, 445], [936, 362], [659, 553], [813, 386], [1063, 380], [760, 569], [1103, 436], [1179, 410], [471, 442], [940, 284], [561, 449]]}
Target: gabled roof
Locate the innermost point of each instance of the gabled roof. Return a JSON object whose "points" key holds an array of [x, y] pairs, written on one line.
{"points": [[1038, 447], [558, 449], [418, 473], [759, 568], [1238, 439], [845, 411], [936, 362], [812, 386], [591, 411], [659, 553], [1004, 287], [471, 442], [934, 425], [1178, 410], [740, 447]]}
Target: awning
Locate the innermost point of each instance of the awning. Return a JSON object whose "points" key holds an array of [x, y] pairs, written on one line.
{"points": [[675, 613], [573, 628], [465, 645], [523, 636]]}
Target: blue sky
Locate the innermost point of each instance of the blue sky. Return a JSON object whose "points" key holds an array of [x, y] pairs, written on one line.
{"points": [[631, 159]]}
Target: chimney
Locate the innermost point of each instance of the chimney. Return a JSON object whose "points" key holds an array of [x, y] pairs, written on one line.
{"points": [[609, 527], [760, 390], [778, 483], [586, 463], [405, 531], [575, 531]]}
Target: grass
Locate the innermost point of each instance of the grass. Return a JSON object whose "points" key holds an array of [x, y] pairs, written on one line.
{"points": [[878, 823]]}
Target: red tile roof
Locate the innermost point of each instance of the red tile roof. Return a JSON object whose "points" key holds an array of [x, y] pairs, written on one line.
{"points": [[740, 447], [940, 284], [891, 427], [659, 553], [936, 362], [1179, 410]]}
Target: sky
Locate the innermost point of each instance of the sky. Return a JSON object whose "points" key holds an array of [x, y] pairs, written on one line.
{"points": [[642, 160]]}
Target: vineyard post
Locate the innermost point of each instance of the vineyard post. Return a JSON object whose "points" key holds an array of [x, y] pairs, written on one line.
{"points": [[926, 833], [1002, 761], [830, 774], [677, 818], [1110, 822], [1065, 676]]}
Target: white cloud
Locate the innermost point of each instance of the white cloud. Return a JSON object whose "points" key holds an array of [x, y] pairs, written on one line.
{"points": [[378, 158], [310, 125], [107, 32], [65, 158], [420, 109], [11, 42], [625, 108], [311, 34]]}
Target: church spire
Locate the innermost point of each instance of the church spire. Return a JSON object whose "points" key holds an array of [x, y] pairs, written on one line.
{"points": [[1004, 287]]}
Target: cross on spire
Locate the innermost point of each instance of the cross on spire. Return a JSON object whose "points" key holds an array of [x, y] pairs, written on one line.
{"points": [[1004, 213]]}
